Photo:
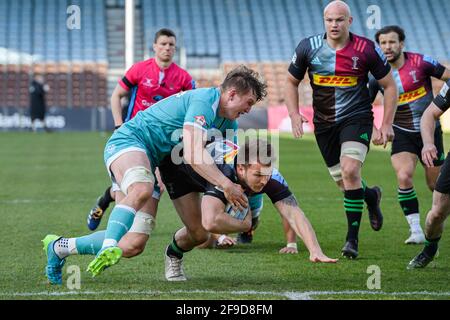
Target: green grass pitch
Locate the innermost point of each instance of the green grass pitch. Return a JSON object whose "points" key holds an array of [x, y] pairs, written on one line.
{"points": [[50, 181]]}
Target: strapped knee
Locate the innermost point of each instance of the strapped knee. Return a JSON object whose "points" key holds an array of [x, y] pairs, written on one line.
{"points": [[134, 175], [354, 150], [336, 172], [143, 223]]}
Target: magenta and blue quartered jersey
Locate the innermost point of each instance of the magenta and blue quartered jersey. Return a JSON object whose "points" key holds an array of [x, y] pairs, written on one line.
{"points": [[415, 90], [339, 77]]}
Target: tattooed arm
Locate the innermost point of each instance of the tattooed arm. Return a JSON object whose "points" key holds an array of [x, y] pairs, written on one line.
{"points": [[289, 210]]}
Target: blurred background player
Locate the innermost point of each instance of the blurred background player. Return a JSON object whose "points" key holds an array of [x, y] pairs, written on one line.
{"points": [[38, 89], [434, 224], [145, 83], [412, 73], [338, 63]]}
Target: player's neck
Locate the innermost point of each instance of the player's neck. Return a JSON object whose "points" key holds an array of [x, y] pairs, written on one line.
{"points": [[338, 44], [163, 64], [397, 64]]}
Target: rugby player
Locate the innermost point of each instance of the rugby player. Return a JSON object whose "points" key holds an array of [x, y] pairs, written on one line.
{"points": [[412, 73], [138, 146], [338, 63], [147, 82], [434, 224], [253, 170]]}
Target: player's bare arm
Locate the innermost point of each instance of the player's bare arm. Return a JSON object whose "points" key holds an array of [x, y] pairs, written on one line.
{"points": [[390, 106], [290, 210], [201, 161], [427, 127], [116, 106], [215, 220], [291, 97]]}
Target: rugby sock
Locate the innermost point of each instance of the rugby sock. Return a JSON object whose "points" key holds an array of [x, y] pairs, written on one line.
{"points": [[431, 246], [105, 200], [65, 247], [370, 196], [353, 204], [409, 203], [119, 223], [174, 250], [90, 244]]}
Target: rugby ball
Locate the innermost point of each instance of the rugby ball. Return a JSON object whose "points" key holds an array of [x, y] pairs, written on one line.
{"points": [[240, 215]]}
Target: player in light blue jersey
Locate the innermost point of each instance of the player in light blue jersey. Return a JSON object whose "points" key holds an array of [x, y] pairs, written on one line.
{"points": [[136, 149]]}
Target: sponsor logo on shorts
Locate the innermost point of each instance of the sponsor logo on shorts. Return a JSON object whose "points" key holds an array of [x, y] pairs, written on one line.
{"points": [[411, 96], [200, 120], [335, 81], [365, 137]]}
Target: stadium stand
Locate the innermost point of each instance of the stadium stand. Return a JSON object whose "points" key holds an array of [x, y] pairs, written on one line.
{"points": [[82, 65]]}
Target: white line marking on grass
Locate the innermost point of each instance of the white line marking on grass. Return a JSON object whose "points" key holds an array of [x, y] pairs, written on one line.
{"points": [[291, 295], [28, 201]]}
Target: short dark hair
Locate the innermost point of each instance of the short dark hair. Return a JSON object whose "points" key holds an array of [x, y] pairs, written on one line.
{"points": [[244, 79], [389, 29], [164, 32], [256, 150]]}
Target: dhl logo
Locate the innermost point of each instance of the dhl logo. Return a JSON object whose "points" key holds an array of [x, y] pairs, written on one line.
{"points": [[335, 81], [411, 96]]}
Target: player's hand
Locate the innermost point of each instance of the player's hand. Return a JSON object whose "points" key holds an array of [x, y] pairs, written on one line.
{"points": [[288, 250], [235, 195], [320, 257], [297, 121], [377, 139], [387, 134], [429, 153], [225, 241]]}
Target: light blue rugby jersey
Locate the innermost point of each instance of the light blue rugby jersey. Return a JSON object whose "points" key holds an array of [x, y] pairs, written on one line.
{"points": [[160, 127]]}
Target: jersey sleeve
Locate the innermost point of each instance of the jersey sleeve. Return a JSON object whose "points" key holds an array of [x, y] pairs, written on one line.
{"points": [[374, 88], [299, 63], [200, 114], [277, 188], [432, 67], [378, 64], [131, 78], [442, 100]]}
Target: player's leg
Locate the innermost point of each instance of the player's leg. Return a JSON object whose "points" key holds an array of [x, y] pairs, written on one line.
{"points": [[404, 164], [132, 171], [434, 224], [192, 234], [354, 141], [434, 227], [431, 174]]}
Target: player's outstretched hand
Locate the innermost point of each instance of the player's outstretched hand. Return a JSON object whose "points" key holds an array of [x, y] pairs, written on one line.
{"points": [[297, 121], [288, 250], [225, 241], [235, 196], [320, 257], [429, 153]]}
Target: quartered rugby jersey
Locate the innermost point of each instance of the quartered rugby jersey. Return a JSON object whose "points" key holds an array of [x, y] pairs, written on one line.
{"points": [[339, 77], [150, 84], [415, 91]]}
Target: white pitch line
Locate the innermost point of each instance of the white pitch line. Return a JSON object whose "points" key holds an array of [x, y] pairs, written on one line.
{"points": [[291, 295]]}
